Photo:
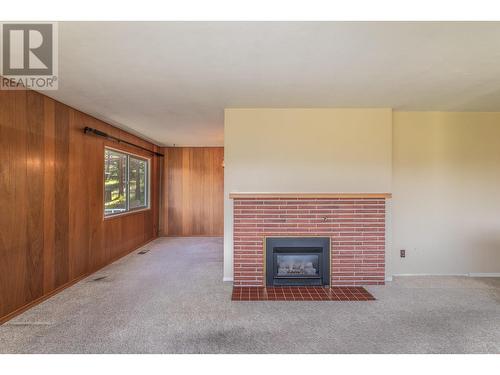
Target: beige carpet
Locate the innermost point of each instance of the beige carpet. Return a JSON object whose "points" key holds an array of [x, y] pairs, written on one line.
{"points": [[172, 300]]}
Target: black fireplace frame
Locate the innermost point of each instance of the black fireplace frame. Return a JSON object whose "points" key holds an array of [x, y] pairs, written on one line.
{"points": [[312, 244]]}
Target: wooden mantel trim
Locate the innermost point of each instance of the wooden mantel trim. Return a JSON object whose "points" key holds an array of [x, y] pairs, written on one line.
{"points": [[309, 195]]}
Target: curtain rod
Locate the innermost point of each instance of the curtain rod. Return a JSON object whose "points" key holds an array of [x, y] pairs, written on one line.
{"points": [[99, 133]]}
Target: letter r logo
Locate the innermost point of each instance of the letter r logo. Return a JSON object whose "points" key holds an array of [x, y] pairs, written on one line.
{"points": [[27, 49]]}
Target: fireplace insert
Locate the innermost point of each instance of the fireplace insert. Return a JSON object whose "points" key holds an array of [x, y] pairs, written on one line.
{"points": [[297, 261]]}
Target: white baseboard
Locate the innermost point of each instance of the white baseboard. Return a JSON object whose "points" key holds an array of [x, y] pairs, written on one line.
{"points": [[389, 278], [430, 274], [484, 274], [470, 274]]}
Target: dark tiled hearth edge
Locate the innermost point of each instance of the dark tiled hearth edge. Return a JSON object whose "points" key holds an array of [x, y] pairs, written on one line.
{"points": [[301, 293]]}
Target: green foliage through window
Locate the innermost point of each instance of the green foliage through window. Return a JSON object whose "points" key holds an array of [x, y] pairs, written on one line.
{"points": [[126, 182]]}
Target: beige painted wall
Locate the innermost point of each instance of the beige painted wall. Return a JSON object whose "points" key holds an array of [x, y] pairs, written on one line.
{"points": [[304, 150], [443, 169], [446, 193]]}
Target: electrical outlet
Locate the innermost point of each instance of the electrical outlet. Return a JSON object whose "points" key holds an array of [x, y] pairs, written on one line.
{"points": [[402, 253]]}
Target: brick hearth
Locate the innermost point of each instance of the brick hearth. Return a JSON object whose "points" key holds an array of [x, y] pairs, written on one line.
{"points": [[301, 293], [356, 227]]}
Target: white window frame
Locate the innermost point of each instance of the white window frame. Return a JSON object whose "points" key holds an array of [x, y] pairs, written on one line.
{"points": [[127, 183]]}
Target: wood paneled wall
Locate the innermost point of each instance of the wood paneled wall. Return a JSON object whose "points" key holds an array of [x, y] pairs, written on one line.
{"points": [[193, 191], [52, 230]]}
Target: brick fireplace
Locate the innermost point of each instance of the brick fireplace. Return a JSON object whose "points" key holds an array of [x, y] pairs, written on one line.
{"points": [[354, 223]]}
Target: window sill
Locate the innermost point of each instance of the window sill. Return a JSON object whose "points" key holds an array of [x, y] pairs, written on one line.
{"points": [[133, 212]]}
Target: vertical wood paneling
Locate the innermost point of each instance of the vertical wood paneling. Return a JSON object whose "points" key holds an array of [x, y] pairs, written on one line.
{"points": [[51, 199], [217, 192], [49, 196], [9, 253], [193, 191], [79, 207], [19, 210], [174, 203], [95, 201], [34, 194], [61, 189]]}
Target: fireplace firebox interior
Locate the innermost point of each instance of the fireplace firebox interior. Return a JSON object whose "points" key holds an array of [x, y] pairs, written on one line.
{"points": [[297, 261]]}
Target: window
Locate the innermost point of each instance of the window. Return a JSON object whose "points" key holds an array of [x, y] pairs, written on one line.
{"points": [[126, 182]]}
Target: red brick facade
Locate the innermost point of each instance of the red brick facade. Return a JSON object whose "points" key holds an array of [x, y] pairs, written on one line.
{"points": [[356, 227]]}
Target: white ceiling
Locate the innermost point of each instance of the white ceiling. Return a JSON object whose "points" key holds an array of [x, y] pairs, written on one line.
{"points": [[170, 81]]}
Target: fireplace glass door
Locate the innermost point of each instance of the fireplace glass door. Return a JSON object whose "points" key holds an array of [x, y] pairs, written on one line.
{"points": [[297, 265], [297, 261]]}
